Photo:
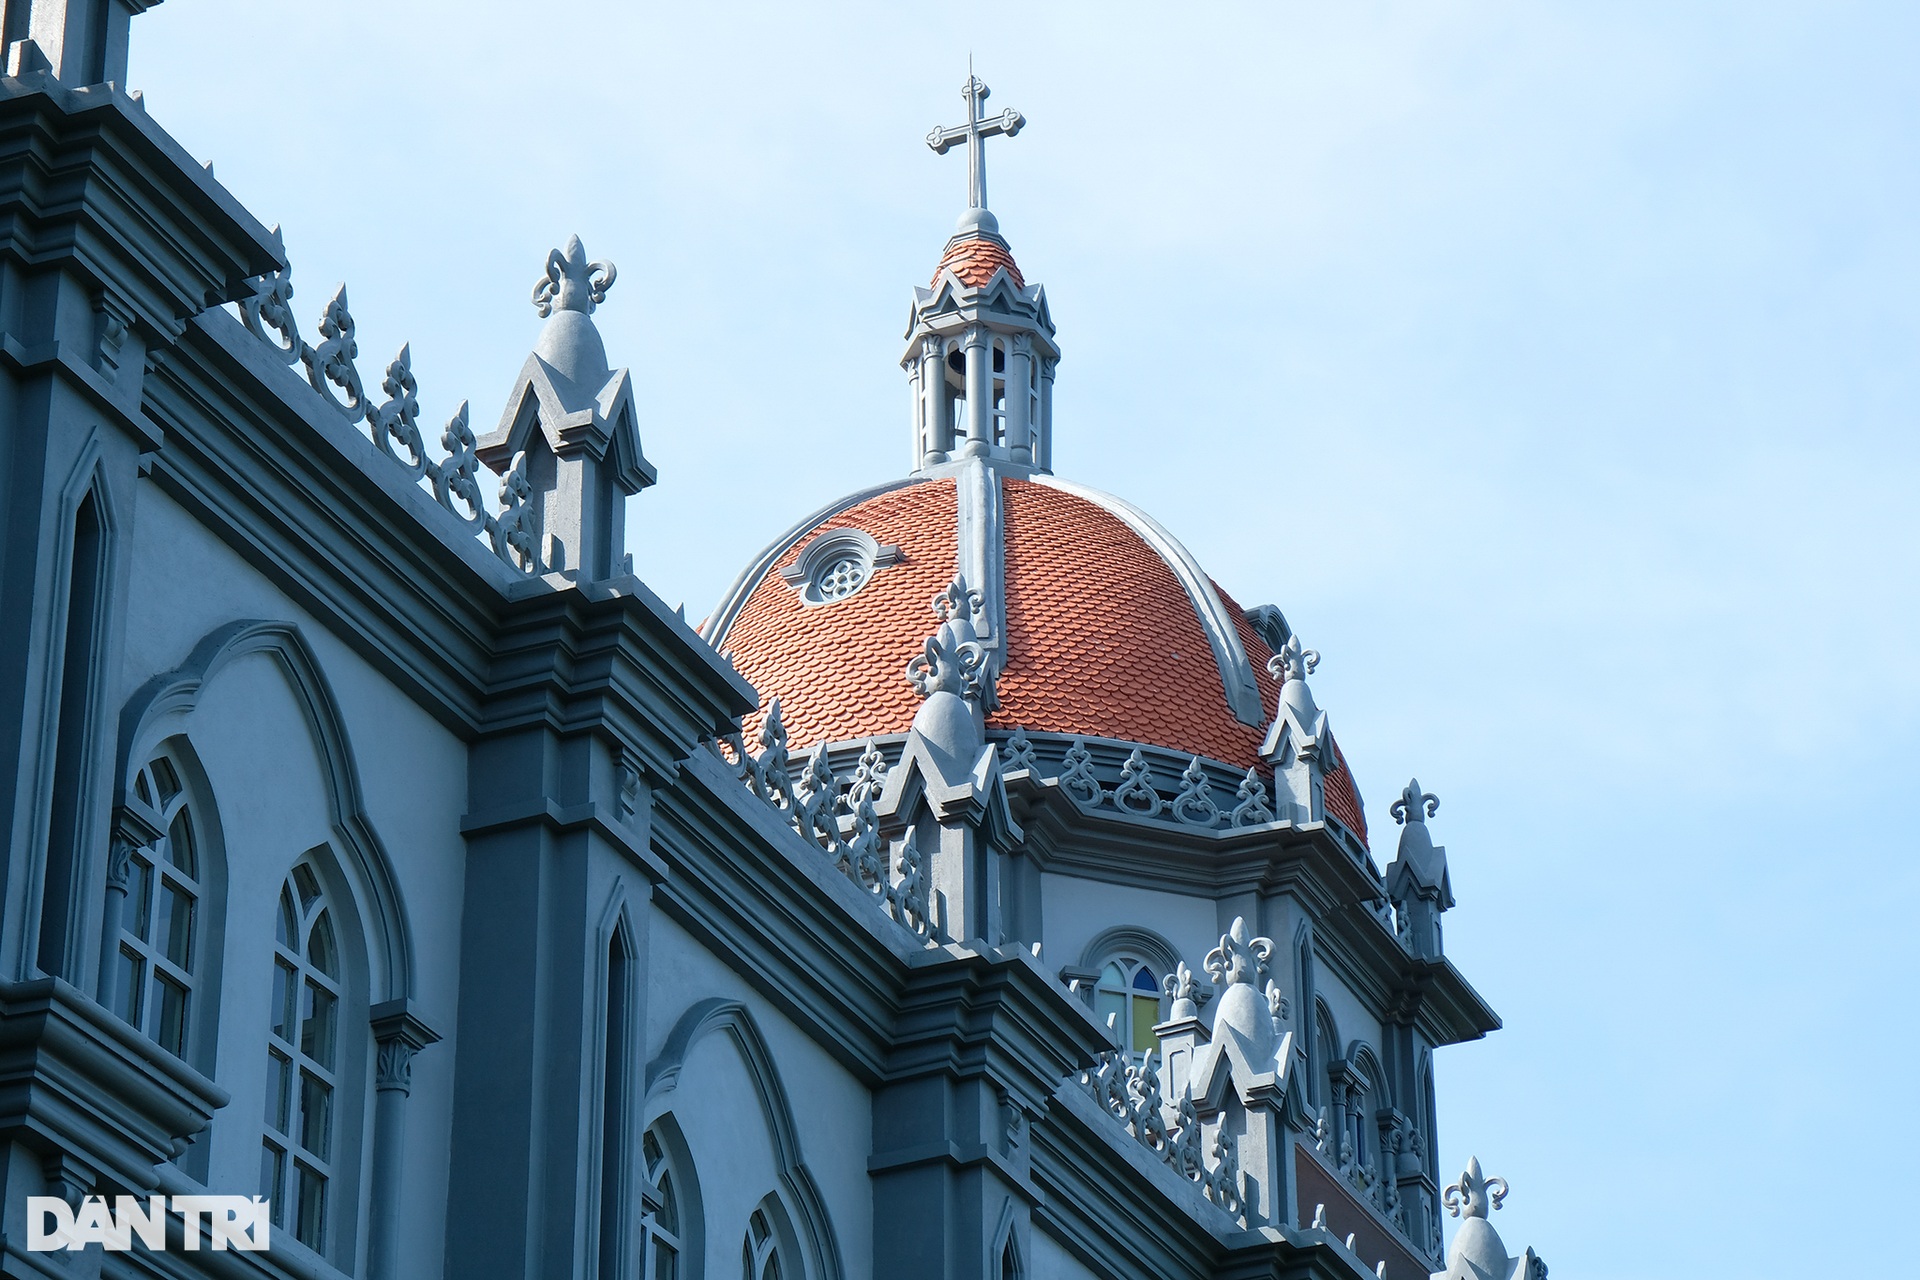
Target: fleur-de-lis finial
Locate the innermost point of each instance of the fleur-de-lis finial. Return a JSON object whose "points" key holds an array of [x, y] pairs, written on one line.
{"points": [[1474, 1194], [1240, 957], [956, 600], [572, 283], [1293, 662], [1409, 807], [953, 660]]}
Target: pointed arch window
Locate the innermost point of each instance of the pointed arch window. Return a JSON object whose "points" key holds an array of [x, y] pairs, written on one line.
{"points": [[1129, 991], [663, 1247], [760, 1254], [160, 920], [303, 1060]]}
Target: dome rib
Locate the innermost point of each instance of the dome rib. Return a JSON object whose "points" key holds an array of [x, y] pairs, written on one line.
{"points": [[1237, 680]]}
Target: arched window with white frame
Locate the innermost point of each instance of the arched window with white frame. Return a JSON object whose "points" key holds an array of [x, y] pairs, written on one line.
{"points": [[661, 1245], [761, 1254], [1129, 967], [670, 1208], [1128, 991], [161, 956], [306, 1055]]}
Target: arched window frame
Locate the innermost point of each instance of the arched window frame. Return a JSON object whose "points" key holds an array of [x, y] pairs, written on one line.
{"points": [[74, 629], [1126, 968], [671, 1217], [768, 1249], [618, 981], [1324, 1052], [1363, 1124], [312, 1135], [1006, 1262], [167, 936]]}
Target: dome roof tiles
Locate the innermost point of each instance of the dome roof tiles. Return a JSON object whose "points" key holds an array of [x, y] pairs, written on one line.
{"points": [[838, 669], [975, 259], [1102, 638]]}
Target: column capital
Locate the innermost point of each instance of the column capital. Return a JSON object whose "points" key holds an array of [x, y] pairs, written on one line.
{"points": [[399, 1033]]}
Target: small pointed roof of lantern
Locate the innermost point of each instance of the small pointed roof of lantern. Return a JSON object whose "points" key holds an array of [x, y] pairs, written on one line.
{"points": [[566, 387], [1297, 715]]}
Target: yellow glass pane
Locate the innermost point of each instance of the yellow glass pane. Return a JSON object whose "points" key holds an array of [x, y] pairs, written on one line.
{"points": [[1146, 1012]]}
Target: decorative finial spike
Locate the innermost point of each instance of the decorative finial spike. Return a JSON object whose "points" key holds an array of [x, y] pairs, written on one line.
{"points": [[1293, 662], [572, 283], [1474, 1194], [1414, 805]]}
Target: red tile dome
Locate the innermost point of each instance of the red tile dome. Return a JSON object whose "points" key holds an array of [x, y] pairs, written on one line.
{"points": [[974, 259], [1103, 638]]}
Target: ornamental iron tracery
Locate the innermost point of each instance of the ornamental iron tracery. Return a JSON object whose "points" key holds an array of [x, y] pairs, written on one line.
{"points": [[393, 424]]}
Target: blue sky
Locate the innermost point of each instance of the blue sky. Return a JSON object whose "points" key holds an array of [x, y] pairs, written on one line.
{"points": [[1551, 366]]}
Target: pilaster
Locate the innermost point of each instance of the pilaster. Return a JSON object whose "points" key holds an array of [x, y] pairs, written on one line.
{"points": [[983, 1040], [595, 698], [110, 241]]}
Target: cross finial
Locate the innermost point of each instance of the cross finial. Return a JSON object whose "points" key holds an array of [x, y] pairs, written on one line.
{"points": [[974, 133]]}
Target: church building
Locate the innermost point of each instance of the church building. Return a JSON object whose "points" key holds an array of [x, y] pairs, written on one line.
{"points": [[978, 892]]}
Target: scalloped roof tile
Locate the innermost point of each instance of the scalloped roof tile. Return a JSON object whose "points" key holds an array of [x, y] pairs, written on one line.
{"points": [[975, 259], [1102, 639]]}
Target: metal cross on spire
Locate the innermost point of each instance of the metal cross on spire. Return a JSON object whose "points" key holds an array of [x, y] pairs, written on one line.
{"points": [[974, 133]]}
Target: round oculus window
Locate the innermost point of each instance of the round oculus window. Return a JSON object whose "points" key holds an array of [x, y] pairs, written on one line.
{"points": [[840, 576]]}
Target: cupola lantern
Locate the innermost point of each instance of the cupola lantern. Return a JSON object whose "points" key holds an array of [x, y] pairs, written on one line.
{"points": [[980, 350]]}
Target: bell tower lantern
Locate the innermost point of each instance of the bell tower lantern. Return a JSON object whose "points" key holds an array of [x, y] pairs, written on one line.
{"points": [[980, 351]]}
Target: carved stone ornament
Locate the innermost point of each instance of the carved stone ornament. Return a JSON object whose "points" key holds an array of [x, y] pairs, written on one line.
{"points": [[270, 307], [1240, 959], [1019, 754], [1474, 1194], [1077, 778], [814, 815], [330, 365], [458, 476], [1135, 794], [1253, 810], [907, 898], [572, 283], [393, 1068], [953, 660], [1194, 805], [397, 421], [1293, 662], [394, 425], [1414, 805], [514, 539], [1278, 1006], [1222, 1183], [870, 776], [119, 862], [1183, 991]]}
